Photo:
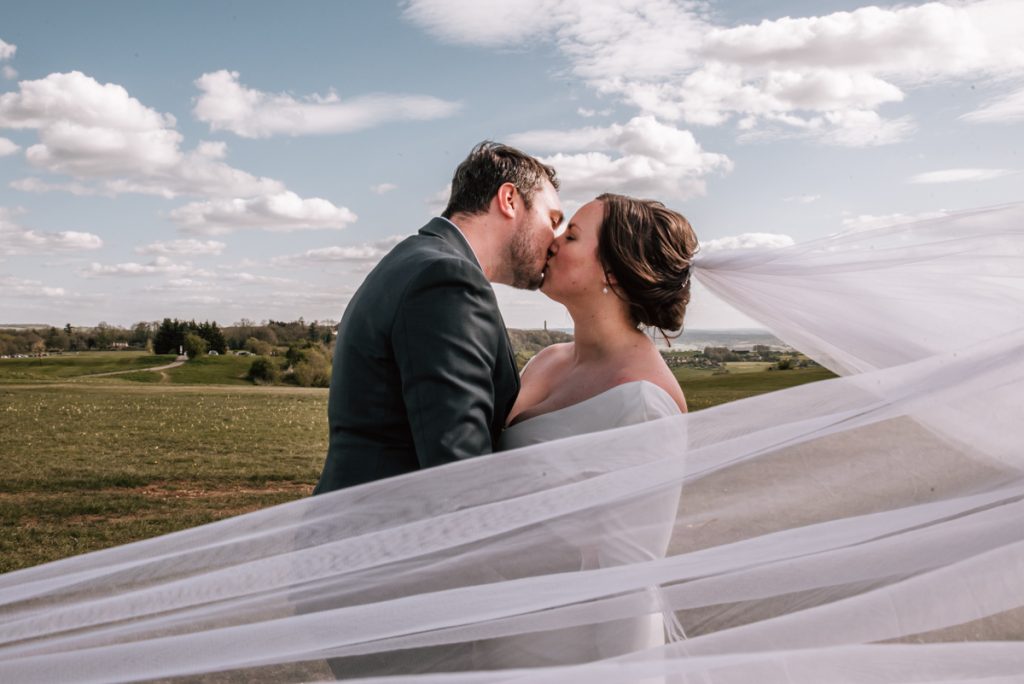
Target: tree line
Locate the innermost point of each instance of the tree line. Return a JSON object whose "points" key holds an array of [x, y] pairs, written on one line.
{"points": [[164, 337]]}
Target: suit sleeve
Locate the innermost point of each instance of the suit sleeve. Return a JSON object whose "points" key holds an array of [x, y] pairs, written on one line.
{"points": [[445, 344]]}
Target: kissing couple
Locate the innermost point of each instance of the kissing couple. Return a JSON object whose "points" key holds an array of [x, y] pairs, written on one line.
{"points": [[424, 372]]}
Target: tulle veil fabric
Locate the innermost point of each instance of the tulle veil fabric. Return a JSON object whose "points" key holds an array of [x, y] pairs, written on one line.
{"points": [[864, 529]]}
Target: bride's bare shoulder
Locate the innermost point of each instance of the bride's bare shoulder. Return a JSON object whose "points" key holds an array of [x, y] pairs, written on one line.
{"points": [[651, 367], [549, 358]]}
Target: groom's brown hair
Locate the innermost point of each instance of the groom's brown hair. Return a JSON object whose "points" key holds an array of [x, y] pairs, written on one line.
{"points": [[489, 166]]}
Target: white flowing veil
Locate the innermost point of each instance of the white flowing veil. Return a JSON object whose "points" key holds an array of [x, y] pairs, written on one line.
{"points": [[865, 529]]}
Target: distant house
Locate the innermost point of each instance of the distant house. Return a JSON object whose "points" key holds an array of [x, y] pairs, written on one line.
{"points": [[118, 345]]}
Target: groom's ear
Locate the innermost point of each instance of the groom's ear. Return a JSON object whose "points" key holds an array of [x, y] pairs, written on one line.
{"points": [[508, 199]]}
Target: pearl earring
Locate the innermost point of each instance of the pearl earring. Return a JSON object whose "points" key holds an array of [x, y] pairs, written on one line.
{"points": [[604, 290]]}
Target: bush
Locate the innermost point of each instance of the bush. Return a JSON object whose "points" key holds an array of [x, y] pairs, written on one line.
{"points": [[311, 369], [258, 347], [264, 371], [195, 346]]}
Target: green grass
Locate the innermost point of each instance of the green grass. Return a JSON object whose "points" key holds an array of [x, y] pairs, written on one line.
{"points": [[91, 463], [75, 365], [748, 366], [704, 389], [206, 370], [92, 466]]}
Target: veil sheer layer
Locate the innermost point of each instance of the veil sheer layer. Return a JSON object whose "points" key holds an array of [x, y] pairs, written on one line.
{"points": [[861, 529]]}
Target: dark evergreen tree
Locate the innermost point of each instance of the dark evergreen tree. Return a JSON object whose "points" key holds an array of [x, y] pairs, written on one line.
{"points": [[170, 336], [217, 340]]}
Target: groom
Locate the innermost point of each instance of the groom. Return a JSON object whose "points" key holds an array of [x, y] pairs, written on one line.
{"points": [[423, 369]]}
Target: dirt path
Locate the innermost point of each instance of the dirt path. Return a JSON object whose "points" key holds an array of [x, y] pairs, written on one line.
{"points": [[155, 369]]}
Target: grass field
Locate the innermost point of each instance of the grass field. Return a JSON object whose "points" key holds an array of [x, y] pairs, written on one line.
{"points": [[704, 388], [88, 367], [76, 365], [207, 370], [90, 466], [93, 462]]}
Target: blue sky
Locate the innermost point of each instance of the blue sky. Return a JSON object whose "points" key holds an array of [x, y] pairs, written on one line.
{"points": [[229, 160]]}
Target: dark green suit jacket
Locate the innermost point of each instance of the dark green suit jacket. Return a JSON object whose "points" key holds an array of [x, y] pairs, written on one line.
{"points": [[423, 369]]}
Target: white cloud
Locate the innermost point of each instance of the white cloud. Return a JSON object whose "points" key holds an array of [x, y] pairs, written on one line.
{"points": [[160, 265], [253, 279], [366, 252], [821, 77], [490, 23], [30, 289], [284, 211], [960, 175], [918, 43], [1008, 109], [180, 284], [438, 202], [590, 113], [98, 132], [202, 299], [872, 221], [111, 143], [33, 184], [10, 73], [647, 158], [802, 199], [862, 128], [15, 239], [8, 147], [190, 246], [7, 50], [383, 188], [228, 105], [747, 241]]}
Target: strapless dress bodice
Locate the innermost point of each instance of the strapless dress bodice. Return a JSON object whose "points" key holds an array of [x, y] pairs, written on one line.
{"points": [[626, 404]]}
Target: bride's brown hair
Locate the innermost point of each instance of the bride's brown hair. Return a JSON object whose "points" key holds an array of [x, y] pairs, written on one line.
{"points": [[648, 248]]}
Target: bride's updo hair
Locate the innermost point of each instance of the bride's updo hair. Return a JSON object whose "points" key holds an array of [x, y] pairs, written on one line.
{"points": [[648, 248]]}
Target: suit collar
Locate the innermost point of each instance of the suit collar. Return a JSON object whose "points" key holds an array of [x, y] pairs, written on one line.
{"points": [[450, 233]]}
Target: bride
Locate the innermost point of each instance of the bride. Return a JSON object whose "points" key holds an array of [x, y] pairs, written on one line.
{"points": [[861, 529], [621, 263]]}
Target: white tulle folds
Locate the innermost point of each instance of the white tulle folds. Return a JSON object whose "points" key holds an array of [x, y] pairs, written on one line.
{"points": [[863, 529]]}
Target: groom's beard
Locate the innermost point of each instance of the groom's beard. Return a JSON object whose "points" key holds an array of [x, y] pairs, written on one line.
{"points": [[526, 261]]}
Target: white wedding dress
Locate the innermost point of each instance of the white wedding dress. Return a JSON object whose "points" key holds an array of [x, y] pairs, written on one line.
{"points": [[632, 533]]}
